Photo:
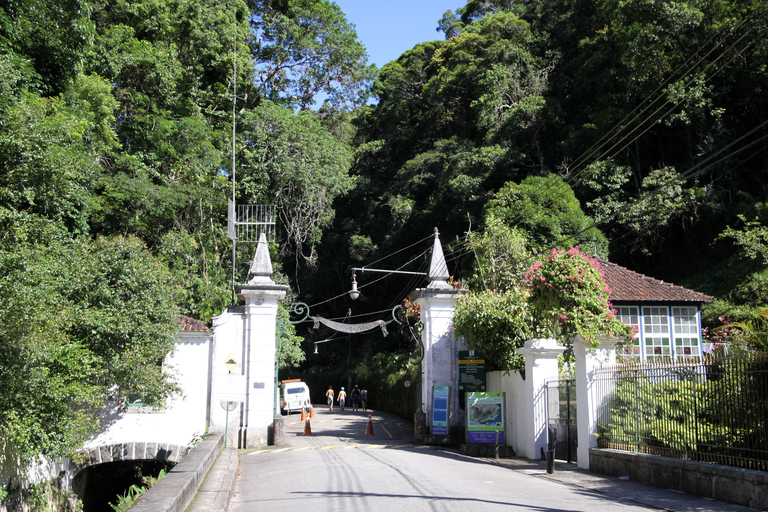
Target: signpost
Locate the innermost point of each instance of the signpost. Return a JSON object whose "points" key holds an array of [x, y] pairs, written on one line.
{"points": [[485, 418], [471, 371], [232, 382], [440, 405]]}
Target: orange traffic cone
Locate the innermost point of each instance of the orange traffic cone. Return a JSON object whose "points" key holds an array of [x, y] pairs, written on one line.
{"points": [[369, 428], [303, 414], [311, 412], [307, 428]]}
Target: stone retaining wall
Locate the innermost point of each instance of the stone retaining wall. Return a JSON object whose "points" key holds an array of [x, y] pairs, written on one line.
{"points": [[741, 486], [176, 491]]}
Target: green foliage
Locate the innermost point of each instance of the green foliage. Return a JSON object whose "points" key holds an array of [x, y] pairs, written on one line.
{"points": [[500, 254], [752, 238], [289, 352], [691, 411], [496, 323], [569, 297], [46, 166], [301, 164], [45, 39], [663, 414], [133, 493], [306, 48], [79, 317], [40, 497], [130, 496], [752, 332], [547, 211]]}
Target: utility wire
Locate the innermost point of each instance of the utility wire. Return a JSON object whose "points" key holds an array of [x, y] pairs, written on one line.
{"points": [[576, 178]]}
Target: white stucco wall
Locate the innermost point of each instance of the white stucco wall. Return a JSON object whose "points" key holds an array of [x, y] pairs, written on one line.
{"points": [[185, 414], [227, 386], [515, 416]]}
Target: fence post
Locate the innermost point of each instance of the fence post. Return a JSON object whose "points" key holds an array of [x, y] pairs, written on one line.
{"points": [[540, 366], [588, 397]]}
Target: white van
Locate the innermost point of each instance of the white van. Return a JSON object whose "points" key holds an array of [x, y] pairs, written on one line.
{"points": [[295, 395]]}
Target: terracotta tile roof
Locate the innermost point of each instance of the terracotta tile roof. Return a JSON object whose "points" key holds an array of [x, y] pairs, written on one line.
{"points": [[629, 286], [190, 324]]}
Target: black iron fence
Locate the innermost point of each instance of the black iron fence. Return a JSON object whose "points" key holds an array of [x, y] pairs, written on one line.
{"points": [[713, 411]]}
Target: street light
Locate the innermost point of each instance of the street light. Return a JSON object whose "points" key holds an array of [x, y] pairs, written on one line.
{"points": [[326, 341], [353, 293]]}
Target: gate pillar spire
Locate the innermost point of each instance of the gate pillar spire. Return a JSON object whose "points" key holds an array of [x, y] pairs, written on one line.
{"points": [[249, 336], [440, 365]]}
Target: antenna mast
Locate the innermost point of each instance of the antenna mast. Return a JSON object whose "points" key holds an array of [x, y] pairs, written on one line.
{"points": [[245, 222], [234, 127]]}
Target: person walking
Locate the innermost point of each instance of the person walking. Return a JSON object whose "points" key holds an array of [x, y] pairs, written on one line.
{"points": [[329, 397], [356, 398], [342, 398], [364, 398]]}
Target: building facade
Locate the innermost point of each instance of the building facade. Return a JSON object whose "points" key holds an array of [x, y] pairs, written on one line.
{"points": [[667, 317]]}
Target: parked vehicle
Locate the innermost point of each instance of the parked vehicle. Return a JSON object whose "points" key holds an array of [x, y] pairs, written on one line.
{"points": [[295, 395]]}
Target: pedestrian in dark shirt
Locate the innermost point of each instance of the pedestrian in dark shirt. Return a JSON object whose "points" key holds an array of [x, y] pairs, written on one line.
{"points": [[356, 398]]}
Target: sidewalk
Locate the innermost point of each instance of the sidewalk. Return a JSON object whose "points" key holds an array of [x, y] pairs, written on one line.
{"points": [[219, 484], [618, 489]]}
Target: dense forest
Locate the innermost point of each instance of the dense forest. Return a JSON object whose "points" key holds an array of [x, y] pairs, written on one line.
{"points": [[634, 129]]}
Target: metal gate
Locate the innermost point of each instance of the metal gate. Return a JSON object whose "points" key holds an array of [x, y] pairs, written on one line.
{"points": [[561, 419]]}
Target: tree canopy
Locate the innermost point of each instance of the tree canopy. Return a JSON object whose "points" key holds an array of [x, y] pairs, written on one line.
{"points": [[632, 129]]}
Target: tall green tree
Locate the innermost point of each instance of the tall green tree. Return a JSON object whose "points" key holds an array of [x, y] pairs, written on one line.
{"points": [[548, 212], [293, 161], [305, 49], [81, 318]]}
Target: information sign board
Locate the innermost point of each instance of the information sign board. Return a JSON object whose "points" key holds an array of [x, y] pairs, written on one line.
{"points": [[441, 396], [471, 371], [485, 418]]}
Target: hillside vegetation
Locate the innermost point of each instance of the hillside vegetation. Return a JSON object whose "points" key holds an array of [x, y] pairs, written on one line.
{"points": [[635, 129]]}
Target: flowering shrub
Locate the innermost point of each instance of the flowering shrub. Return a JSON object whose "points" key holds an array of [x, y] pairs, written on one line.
{"points": [[411, 308], [569, 297], [496, 324]]}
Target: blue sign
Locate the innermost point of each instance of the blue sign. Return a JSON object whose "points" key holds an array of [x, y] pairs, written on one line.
{"points": [[440, 406]]}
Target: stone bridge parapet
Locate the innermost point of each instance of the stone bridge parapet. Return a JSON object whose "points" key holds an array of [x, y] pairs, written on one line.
{"points": [[134, 451]]}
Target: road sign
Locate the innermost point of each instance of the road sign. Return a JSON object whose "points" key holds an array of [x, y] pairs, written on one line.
{"points": [[407, 383], [230, 362]]}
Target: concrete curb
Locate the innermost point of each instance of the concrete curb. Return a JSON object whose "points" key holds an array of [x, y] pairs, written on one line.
{"points": [[219, 484], [176, 491]]}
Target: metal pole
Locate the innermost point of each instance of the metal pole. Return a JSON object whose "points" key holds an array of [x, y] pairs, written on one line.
{"points": [[226, 426], [637, 411]]}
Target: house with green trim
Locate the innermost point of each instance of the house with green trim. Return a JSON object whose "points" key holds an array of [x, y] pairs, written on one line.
{"points": [[667, 317]]}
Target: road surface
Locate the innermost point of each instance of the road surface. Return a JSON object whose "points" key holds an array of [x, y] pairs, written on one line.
{"points": [[338, 467]]}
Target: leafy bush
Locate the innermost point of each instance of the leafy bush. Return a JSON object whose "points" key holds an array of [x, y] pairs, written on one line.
{"points": [[496, 324], [716, 408]]}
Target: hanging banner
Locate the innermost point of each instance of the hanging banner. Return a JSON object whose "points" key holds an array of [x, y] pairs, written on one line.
{"points": [[348, 328], [485, 418], [440, 404]]}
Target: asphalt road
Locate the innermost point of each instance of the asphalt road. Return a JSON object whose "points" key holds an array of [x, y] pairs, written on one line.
{"points": [[338, 467]]}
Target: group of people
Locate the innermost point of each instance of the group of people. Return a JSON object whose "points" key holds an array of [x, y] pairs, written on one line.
{"points": [[359, 398]]}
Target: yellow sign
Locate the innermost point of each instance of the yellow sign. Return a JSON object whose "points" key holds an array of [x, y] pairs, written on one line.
{"points": [[230, 362]]}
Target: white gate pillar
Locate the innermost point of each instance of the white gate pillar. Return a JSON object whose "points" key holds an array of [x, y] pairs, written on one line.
{"points": [[588, 396], [261, 295], [440, 365], [540, 367]]}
